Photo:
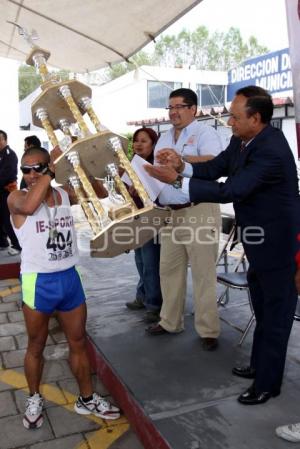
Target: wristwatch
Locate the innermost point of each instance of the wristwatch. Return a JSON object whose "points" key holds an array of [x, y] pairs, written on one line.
{"points": [[49, 173], [177, 184]]}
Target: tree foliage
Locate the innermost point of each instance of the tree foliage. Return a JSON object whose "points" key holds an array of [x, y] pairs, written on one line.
{"points": [[205, 51], [29, 80], [199, 49], [129, 136], [116, 70]]}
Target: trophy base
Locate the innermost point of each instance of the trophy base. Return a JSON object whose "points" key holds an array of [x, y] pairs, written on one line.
{"points": [[55, 105], [130, 232], [121, 211], [94, 153]]}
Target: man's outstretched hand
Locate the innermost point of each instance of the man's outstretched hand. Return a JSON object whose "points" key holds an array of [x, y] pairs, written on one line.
{"points": [[168, 156], [163, 173]]}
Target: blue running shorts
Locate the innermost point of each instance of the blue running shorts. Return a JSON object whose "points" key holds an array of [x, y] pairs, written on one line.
{"points": [[47, 292]]}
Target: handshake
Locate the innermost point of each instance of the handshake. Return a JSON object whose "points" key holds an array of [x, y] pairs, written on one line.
{"points": [[170, 164]]}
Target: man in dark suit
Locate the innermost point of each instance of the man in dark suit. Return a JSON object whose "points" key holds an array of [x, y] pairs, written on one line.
{"points": [[263, 186]]}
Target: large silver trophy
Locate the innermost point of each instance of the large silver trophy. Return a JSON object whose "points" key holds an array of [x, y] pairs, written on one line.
{"points": [[87, 155]]}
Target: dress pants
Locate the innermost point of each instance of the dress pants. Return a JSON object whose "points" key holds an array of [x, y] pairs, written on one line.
{"points": [[3, 238], [274, 298], [192, 236]]}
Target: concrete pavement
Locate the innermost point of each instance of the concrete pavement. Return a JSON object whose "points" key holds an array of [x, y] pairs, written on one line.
{"points": [[175, 394]]}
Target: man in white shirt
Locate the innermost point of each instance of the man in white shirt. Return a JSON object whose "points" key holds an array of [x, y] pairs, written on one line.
{"points": [[192, 235]]}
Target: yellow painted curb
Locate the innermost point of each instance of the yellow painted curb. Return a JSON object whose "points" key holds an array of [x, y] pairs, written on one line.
{"points": [[105, 437], [10, 290], [101, 439], [12, 280]]}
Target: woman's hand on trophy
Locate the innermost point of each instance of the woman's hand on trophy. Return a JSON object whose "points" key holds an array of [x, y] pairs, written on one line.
{"points": [[168, 156], [164, 173]]}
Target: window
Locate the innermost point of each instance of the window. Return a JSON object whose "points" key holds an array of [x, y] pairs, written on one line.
{"points": [[158, 93], [210, 94], [276, 122]]}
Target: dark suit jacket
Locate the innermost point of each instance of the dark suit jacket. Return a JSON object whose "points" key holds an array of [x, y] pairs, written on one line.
{"points": [[263, 186]]}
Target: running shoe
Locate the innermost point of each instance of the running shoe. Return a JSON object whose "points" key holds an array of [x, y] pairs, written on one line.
{"points": [[98, 406], [33, 418], [290, 432]]}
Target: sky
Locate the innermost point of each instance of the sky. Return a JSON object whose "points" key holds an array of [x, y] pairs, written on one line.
{"points": [[264, 19]]}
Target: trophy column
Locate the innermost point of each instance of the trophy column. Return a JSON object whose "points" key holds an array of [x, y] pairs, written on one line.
{"points": [[42, 114], [113, 172], [86, 104], [125, 164], [101, 214], [66, 94], [84, 203]]}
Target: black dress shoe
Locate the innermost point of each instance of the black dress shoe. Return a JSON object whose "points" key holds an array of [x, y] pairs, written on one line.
{"points": [[209, 344], [244, 371], [251, 397], [156, 329]]}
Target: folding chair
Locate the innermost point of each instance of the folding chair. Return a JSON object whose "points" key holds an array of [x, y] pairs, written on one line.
{"points": [[234, 279], [238, 280], [228, 230]]}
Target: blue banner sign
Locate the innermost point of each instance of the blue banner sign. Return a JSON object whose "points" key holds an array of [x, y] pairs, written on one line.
{"points": [[271, 71]]}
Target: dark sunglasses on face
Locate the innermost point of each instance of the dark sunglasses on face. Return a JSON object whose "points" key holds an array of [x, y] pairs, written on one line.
{"points": [[38, 168]]}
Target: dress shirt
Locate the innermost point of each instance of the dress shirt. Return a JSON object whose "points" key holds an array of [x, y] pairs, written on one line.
{"points": [[188, 173], [185, 187], [196, 139]]}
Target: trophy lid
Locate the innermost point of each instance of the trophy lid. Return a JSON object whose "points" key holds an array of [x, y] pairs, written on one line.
{"points": [[34, 51]]}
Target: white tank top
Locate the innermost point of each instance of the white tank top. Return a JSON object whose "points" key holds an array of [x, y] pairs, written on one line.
{"points": [[40, 253]]}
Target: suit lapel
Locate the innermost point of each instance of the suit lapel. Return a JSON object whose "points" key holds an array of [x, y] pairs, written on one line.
{"points": [[237, 158], [244, 155]]}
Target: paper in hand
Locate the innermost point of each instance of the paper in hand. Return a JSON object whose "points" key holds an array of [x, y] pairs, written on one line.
{"points": [[152, 186]]}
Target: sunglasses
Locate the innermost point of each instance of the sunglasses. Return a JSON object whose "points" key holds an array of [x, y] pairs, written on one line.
{"points": [[38, 168]]}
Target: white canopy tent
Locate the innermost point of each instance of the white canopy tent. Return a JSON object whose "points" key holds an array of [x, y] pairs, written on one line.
{"points": [[86, 35]]}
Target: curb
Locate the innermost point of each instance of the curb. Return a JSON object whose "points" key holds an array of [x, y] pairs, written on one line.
{"points": [[141, 423], [10, 270]]}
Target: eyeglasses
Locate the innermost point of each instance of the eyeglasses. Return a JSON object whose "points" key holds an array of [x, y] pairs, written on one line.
{"points": [[38, 168], [177, 107]]}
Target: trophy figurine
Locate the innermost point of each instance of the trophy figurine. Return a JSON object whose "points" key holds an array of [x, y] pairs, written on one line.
{"points": [[88, 155]]}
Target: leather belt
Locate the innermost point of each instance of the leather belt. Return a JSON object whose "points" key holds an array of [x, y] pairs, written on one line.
{"points": [[181, 206]]}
